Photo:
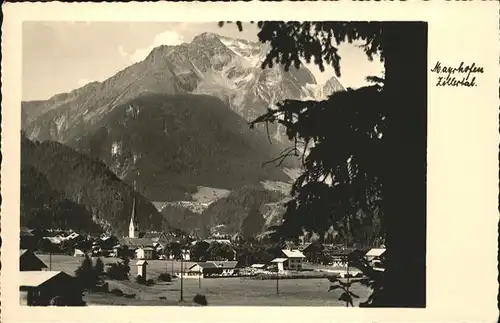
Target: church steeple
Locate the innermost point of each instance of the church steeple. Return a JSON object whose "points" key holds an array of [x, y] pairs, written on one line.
{"points": [[133, 229]]}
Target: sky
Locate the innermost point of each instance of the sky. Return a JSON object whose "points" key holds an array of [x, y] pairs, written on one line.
{"points": [[58, 57]]}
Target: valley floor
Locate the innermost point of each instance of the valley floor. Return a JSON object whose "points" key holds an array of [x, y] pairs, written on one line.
{"points": [[236, 291]]}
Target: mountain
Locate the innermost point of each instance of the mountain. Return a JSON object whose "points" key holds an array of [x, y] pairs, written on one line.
{"points": [[43, 207], [211, 64], [171, 144], [171, 123], [61, 188], [228, 214]]}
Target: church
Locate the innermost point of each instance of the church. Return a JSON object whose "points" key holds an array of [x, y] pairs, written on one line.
{"points": [[133, 228]]}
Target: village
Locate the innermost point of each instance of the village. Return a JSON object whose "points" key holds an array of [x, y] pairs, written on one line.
{"points": [[49, 260]]}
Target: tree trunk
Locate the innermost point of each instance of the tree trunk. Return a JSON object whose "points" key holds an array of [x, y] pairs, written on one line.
{"points": [[405, 51]]}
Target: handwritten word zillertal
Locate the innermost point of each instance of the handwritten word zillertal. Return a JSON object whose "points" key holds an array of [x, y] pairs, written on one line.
{"points": [[462, 75]]}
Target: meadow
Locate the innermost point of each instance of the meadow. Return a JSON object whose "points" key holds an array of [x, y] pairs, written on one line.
{"points": [[237, 291]]}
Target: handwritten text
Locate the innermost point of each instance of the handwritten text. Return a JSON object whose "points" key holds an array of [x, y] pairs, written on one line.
{"points": [[461, 75]]}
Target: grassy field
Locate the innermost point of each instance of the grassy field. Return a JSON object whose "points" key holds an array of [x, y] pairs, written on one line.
{"points": [[219, 291]]}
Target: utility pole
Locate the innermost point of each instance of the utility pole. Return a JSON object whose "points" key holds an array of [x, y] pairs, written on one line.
{"points": [[347, 303], [182, 286], [277, 284], [199, 279]]}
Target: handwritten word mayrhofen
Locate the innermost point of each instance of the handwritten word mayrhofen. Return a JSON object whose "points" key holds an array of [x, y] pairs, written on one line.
{"points": [[461, 75]]}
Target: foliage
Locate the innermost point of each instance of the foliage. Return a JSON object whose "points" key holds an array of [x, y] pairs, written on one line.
{"points": [[200, 300], [86, 274], [99, 267], [184, 141], [199, 251], [88, 191], [253, 223], [140, 280], [43, 207], [182, 218], [174, 249], [363, 149], [119, 270], [220, 251], [165, 277], [232, 210]]}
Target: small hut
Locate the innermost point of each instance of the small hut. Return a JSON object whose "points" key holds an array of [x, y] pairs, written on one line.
{"points": [[141, 268]]}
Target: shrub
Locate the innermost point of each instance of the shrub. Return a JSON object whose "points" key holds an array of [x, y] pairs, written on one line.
{"points": [[165, 277], [118, 271], [140, 280], [116, 292], [200, 299], [150, 282]]}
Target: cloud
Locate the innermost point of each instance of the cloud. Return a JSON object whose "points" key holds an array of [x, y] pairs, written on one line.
{"points": [[165, 38]]}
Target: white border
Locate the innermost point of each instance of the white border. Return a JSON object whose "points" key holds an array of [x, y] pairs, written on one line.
{"points": [[462, 158]]}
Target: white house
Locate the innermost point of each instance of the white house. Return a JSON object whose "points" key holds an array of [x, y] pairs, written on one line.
{"points": [[213, 268], [375, 255], [282, 263], [144, 253], [295, 259], [228, 267]]}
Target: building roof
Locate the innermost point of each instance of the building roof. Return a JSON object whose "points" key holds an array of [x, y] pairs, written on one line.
{"points": [[26, 233], [258, 266], [279, 260], [28, 257], [37, 278], [343, 252], [147, 249], [293, 253], [375, 252], [141, 262], [225, 241], [204, 265], [135, 242], [225, 264]]}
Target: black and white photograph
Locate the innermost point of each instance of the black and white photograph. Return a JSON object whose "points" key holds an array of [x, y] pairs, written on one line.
{"points": [[339, 166], [223, 163]]}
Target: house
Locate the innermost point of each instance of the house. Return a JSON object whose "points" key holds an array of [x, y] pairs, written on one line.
{"points": [[229, 268], [313, 252], [156, 237], [78, 253], [28, 261], [203, 269], [145, 253], [213, 269], [27, 239], [282, 263], [375, 255], [38, 288], [295, 259], [258, 266], [223, 241], [341, 257]]}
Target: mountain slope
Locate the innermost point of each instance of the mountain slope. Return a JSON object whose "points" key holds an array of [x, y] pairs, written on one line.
{"points": [[42, 207], [211, 64], [228, 214], [170, 145], [86, 185]]}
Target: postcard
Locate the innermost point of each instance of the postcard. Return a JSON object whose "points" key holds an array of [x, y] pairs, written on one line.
{"points": [[250, 162]]}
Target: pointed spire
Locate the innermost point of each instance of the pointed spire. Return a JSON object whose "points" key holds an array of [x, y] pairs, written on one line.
{"points": [[133, 226]]}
